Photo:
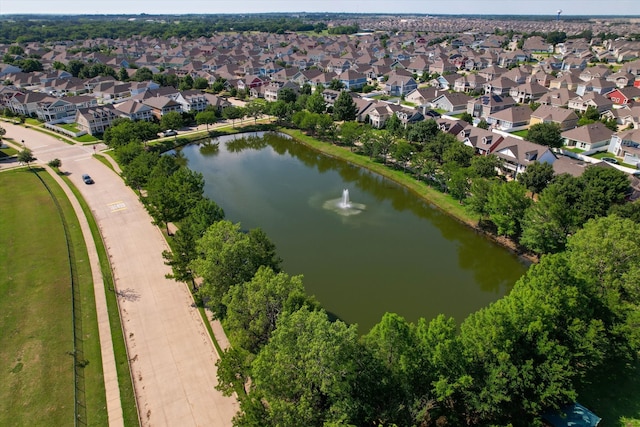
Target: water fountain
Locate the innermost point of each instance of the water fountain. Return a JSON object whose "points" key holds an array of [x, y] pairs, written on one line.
{"points": [[343, 206]]}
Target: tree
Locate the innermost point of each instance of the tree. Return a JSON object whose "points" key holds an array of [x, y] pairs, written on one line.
{"points": [[183, 245], [253, 308], [287, 95], [228, 257], [394, 125], [171, 120], [485, 166], [549, 221], [336, 84], [206, 118], [316, 103], [483, 124], [423, 131], [123, 75], [25, 156], [383, 144], [602, 187], [55, 163], [280, 109], [350, 132], [466, 117], [478, 201], [143, 74], [232, 113], [506, 204], [548, 134], [136, 173], [458, 184], [344, 108], [3, 132], [536, 177], [255, 108], [605, 254], [170, 198], [305, 374], [127, 153], [200, 83]]}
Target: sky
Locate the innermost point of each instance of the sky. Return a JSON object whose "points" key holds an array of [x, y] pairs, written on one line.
{"points": [[515, 7]]}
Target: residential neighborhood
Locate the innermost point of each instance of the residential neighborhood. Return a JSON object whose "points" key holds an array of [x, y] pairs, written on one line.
{"points": [[510, 83]]}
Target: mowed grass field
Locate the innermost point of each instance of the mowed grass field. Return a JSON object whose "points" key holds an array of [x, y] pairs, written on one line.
{"points": [[36, 324]]}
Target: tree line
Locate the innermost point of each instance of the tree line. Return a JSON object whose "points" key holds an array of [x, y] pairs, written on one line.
{"points": [[291, 364]]}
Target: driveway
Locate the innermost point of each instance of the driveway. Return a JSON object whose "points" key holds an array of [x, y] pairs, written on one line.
{"points": [[172, 357]]}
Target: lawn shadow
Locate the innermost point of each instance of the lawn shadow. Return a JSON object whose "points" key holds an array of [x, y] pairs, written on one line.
{"points": [[614, 393]]}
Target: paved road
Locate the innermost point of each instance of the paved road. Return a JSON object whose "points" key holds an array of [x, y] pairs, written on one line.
{"points": [[172, 357]]}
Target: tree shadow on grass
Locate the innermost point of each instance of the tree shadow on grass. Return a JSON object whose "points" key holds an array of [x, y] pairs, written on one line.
{"points": [[614, 393]]}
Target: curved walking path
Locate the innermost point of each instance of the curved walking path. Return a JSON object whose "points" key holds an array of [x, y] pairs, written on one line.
{"points": [[172, 357]]}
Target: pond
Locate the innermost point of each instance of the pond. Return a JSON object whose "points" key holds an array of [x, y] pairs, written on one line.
{"points": [[383, 249]]}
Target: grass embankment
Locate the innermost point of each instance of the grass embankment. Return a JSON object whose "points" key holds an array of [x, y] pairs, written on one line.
{"points": [[36, 346], [127, 395]]}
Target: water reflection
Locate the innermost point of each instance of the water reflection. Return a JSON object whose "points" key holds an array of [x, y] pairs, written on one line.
{"points": [[400, 254]]}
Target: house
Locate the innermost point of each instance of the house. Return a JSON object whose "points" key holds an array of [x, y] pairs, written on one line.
{"points": [[597, 85], [352, 79], [96, 120], [273, 89], [451, 126], [55, 110], [451, 102], [624, 96], [517, 154], [557, 97], [192, 100], [591, 99], [422, 95], [26, 103], [481, 140], [626, 144], [566, 119], [485, 105], [588, 137], [161, 105], [134, 110], [409, 116], [499, 86], [566, 81], [469, 83], [511, 119], [398, 85], [527, 92]]}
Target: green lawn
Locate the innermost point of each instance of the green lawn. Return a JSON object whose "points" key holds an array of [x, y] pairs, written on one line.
{"points": [[7, 152], [522, 133], [86, 138], [37, 382]]}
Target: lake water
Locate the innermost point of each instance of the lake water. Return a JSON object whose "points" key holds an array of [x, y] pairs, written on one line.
{"points": [[397, 254]]}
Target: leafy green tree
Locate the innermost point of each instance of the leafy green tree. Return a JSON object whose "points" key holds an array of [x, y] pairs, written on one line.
{"points": [[255, 108], [186, 83], [228, 257], [206, 118], [423, 131], [171, 120], [507, 204], [142, 75], [123, 75], [383, 144], [485, 166], [548, 134], [536, 177], [200, 83], [602, 187], [55, 163], [466, 117], [350, 132], [605, 254], [127, 153], [549, 221], [458, 184], [336, 84], [136, 173], [316, 103], [280, 109], [394, 125], [459, 154], [326, 127], [305, 374], [183, 245], [627, 210], [526, 351], [287, 95], [253, 308], [344, 108], [233, 113], [170, 198], [483, 124], [403, 153], [478, 201], [25, 156]]}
